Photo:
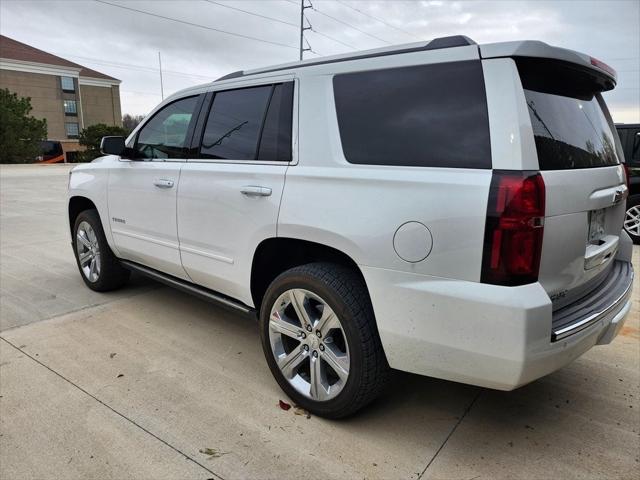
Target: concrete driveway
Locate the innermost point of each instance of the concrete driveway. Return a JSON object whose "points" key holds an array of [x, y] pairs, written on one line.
{"points": [[149, 382]]}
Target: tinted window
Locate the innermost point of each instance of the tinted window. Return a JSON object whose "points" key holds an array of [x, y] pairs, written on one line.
{"points": [[165, 135], [634, 140], [425, 116], [275, 143], [233, 126], [568, 116]]}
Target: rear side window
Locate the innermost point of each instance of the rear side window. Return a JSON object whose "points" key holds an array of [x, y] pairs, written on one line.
{"points": [[423, 116], [250, 123], [569, 117], [275, 143]]}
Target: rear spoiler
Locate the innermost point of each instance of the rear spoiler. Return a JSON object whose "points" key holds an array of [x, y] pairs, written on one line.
{"points": [[537, 49]]}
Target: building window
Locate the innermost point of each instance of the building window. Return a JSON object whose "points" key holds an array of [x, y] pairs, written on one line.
{"points": [[70, 107], [67, 84], [72, 130]]}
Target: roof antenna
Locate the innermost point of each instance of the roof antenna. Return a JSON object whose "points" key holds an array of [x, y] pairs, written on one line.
{"points": [[161, 86]]}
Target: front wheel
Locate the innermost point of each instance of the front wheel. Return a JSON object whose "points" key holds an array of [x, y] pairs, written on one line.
{"points": [[99, 267], [320, 339], [632, 218]]}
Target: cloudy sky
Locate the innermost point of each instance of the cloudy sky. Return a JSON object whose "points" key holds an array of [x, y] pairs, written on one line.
{"points": [[217, 38]]}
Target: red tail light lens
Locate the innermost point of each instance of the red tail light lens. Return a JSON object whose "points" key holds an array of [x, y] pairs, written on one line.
{"points": [[514, 228]]}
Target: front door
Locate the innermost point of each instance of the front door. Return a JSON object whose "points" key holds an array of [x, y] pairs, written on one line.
{"points": [[229, 195], [142, 190]]}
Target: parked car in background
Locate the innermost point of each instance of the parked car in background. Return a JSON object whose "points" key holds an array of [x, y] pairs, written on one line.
{"points": [[51, 152], [444, 208], [630, 139]]}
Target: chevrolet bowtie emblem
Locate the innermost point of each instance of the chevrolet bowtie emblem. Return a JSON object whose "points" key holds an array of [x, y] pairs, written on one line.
{"points": [[618, 196]]}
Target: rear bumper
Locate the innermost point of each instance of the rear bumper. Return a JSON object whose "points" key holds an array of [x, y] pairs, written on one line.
{"points": [[486, 335]]}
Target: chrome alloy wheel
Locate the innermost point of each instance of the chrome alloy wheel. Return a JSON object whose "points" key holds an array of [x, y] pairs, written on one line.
{"points": [[309, 344], [88, 251], [632, 220]]}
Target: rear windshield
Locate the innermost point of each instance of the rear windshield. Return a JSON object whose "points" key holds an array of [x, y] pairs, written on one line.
{"points": [[422, 116], [569, 118]]}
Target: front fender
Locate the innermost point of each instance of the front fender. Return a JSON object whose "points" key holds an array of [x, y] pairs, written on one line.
{"points": [[91, 181]]}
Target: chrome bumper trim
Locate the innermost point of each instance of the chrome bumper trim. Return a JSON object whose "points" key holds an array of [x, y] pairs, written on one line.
{"points": [[594, 317]]}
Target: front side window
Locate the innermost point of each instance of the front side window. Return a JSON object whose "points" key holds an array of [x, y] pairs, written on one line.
{"points": [[165, 135], [72, 130], [67, 84], [70, 107], [420, 116]]}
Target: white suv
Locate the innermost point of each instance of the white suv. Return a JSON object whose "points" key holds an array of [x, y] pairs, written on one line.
{"points": [[444, 208]]}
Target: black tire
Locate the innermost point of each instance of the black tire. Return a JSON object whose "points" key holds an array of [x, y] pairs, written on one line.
{"points": [[633, 201], [344, 291], [112, 274]]}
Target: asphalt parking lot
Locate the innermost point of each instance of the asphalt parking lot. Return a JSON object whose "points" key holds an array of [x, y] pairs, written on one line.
{"points": [[149, 382]]}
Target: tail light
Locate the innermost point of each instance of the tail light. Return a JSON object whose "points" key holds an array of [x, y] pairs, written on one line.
{"points": [[625, 169], [514, 228]]}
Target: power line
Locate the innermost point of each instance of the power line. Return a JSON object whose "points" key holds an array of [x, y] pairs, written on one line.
{"points": [[130, 66], [379, 20], [332, 38], [251, 13], [349, 25], [248, 37]]}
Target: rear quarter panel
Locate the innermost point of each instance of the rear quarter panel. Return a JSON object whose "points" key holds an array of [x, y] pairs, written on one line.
{"points": [[358, 208]]}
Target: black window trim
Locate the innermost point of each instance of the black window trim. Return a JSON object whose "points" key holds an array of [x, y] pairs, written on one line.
{"points": [[131, 152], [199, 129]]}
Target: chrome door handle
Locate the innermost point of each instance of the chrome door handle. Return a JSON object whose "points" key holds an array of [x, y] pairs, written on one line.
{"points": [[163, 183], [255, 191]]}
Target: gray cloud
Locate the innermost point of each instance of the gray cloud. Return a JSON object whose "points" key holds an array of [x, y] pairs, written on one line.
{"points": [[125, 44]]}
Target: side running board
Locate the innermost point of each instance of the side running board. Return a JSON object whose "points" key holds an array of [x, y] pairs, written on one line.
{"points": [[189, 287]]}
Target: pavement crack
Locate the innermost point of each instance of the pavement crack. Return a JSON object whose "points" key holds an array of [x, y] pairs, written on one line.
{"points": [[174, 448], [453, 429]]}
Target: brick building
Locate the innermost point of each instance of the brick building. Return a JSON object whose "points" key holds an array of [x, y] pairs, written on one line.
{"points": [[69, 96]]}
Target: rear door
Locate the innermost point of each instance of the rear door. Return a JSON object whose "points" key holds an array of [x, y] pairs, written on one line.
{"points": [[142, 190], [579, 158], [230, 193]]}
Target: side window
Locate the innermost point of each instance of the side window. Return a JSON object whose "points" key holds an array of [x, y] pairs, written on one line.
{"points": [[165, 135], [250, 123], [275, 143], [234, 123], [423, 116], [635, 148]]}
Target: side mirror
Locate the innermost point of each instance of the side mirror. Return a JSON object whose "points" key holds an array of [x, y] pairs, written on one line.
{"points": [[112, 146]]}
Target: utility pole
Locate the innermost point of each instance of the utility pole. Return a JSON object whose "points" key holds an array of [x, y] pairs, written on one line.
{"points": [[161, 86], [303, 7]]}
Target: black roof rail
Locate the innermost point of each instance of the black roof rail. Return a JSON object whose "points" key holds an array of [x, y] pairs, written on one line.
{"points": [[229, 76], [449, 42], [435, 44]]}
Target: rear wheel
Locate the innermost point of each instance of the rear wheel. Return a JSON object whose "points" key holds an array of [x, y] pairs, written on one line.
{"points": [[99, 267], [320, 339], [632, 218]]}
